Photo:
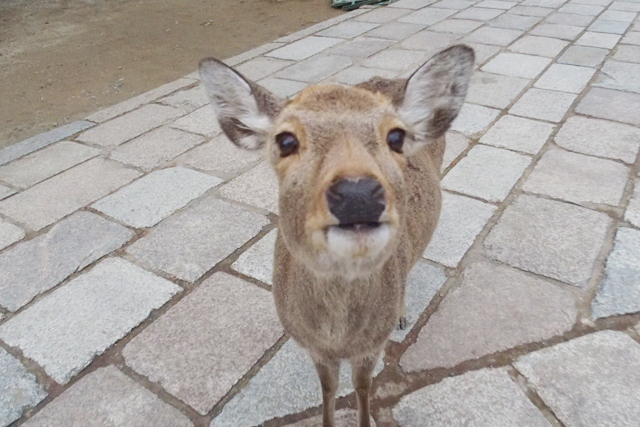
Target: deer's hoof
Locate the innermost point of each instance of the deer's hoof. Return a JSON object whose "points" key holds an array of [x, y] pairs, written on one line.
{"points": [[402, 324]]}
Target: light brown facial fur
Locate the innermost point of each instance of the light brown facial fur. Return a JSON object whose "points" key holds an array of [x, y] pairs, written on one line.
{"points": [[357, 207]]}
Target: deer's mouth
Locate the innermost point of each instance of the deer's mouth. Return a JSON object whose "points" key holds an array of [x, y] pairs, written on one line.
{"points": [[360, 226], [358, 240]]}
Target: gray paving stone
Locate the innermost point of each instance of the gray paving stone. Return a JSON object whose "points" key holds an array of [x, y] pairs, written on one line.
{"points": [[493, 36], [6, 192], [9, 234], [588, 381], [565, 32], [45, 163], [108, 398], [456, 26], [632, 215], [429, 41], [426, 16], [543, 104], [461, 220], [257, 261], [600, 138], [494, 308], [483, 52], [486, 172], [304, 48], [550, 238], [51, 200], [611, 104], [517, 65], [454, 4], [348, 29], [202, 121], [542, 46], [497, 4], [592, 2], [361, 47], [154, 197], [356, 74], [479, 14], [19, 389], [220, 155], [625, 6], [290, 381], [631, 38], [619, 290], [613, 27], [514, 21], [565, 78], [188, 244], [39, 141], [282, 87], [395, 30], [516, 133], [208, 341], [484, 398], [494, 90], [544, 3], [578, 178], [65, 330], [423, 284], [262, 66], [531, 11], [343, 418], [156, 148], [39, 264], [127, 127], [135, 102], [617, 15], [382, 15], [411, 4], [187, 100], [581, 9], [456, 144], [397, 59], [627, 53], [318, 27], [620, 76], [258, 187], [474, 119], [569, 19], [314, 69], [603, 40]]}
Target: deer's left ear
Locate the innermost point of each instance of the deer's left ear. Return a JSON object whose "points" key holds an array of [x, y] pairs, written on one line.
{"points": [[244, 110], [434, 94]]}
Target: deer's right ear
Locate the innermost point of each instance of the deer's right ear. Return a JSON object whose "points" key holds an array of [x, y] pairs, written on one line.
{"points": [[244, 110]]}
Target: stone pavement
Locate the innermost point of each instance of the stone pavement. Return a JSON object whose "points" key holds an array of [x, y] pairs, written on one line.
{"points": [[136, 245]]}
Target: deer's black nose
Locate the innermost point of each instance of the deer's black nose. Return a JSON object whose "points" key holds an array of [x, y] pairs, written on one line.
{"points": [[356, 202]]}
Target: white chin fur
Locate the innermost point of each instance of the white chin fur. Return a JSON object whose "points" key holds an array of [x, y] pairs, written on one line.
{"points": [[358, 245]]}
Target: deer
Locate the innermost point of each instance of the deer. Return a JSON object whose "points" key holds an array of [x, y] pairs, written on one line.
{"points": [[358, 171]]}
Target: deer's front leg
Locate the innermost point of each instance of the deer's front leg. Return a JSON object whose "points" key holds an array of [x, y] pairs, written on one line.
{"points": [[362, 376], [328, 371]]}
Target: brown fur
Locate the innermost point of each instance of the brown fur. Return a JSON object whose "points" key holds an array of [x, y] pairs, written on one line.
{"points": [[346, 307]]}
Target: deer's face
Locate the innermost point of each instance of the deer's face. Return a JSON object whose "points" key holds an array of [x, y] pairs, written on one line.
{"points": [[340, 154]]}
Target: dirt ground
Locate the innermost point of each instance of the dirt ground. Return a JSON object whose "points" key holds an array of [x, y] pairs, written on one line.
{"points": [[61, 60]]}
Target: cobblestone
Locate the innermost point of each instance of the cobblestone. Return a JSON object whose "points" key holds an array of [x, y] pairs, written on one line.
{"points": [[632, 215], [494, 308], [19, 389], [6, 192], [474, 119], [65, 330], [37, 265], [257, 187], [569, 377], [493, 36], [600, 138], [57, 197], [514, 21], [456, 26], [483, 398], [203, 345], [303, 49], [107, 397], [543, 104], [564, 32], [517, 65], [550, 238], [187, 100], [565, 78], [611, 104], [189, 243], [619, 75], [9, 234], [201, 121], [516, 133], [542, 46], [613, 27], [257, 262], [479, 14], [395, 30], [603, 40], [315, 69], [494, 90], [619, 291]]}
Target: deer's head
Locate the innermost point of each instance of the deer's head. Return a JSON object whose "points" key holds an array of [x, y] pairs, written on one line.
{"points": [[340, 153]]}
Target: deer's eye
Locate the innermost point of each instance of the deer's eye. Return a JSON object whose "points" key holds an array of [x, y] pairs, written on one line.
{"points": [[287, 143], [395, 139]]}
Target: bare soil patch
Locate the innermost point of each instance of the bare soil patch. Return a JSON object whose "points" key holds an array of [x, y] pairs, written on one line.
{"points": [[61, 60]]}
